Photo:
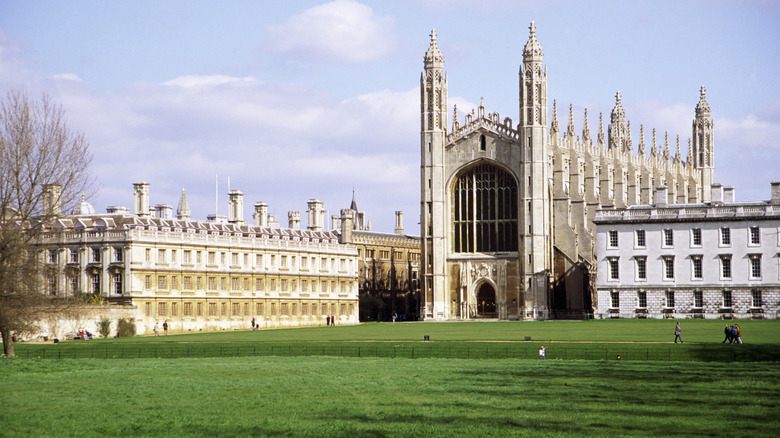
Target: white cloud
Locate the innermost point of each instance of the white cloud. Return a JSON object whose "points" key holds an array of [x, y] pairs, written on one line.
{"points": [[342, 30]]}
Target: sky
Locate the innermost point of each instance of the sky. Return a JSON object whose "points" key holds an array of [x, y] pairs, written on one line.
{"points": [[295, 100]]}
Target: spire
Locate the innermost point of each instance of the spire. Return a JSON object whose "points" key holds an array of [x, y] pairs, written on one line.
{"points": [[677, 154], [585, 129], [702, 108], [653, 147], [455, 123], [666, 145], [433, 57], [617, 125], [183, 212], [641, 147], [554, 125], [533, 50], [570, 128], [629, 145], [601, 130], [353, 206]]}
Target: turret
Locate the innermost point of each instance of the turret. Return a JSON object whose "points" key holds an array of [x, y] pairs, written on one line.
{"points": [[141, 199], [703, 145]]}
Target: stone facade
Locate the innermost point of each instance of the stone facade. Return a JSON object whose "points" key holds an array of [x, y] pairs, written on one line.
{"points": [[507, 208], [710, 260], [204, 275]]}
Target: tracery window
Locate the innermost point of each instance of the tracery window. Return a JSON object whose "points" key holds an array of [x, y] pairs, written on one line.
{"points": [[485, 210]]}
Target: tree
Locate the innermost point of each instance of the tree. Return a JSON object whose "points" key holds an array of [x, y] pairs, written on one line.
{"points": [[44, 167]]}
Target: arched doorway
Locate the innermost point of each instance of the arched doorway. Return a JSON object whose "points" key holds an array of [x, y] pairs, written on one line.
{"points": [[486, 301]]}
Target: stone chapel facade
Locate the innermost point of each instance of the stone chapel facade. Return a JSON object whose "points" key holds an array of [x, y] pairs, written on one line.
{"points": [[507, 209]]}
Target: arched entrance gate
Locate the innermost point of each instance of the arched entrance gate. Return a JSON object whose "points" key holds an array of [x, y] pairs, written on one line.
{"points": [[486, 301]]}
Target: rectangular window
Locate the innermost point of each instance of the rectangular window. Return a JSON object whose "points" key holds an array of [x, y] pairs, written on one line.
{"points": [[234, 259], [615, 299], [198, 259], [162, 282], [187, 283], [641, 268], [236, 308], [199, 283], [613, 238], [284, 261], [174, 282], [95, 283], [725, 266], [118, 283], [212, 258], [755, 266], [614, 269], [212, 283], [73, 284], [223, 285], [668, 238], [640, 239], [727, 298], [148, 255], [160, 256], [161, 309], [187, 257], [187, 309], [148, 309], [698, 300], [756, 302], [273, 285], [173, 309], [235, 284], [74, 256], [199, 309], [259, 309], [670, 299], [669, 268], [118, 254], [258, 284], [212, 309], [696, 237], [641, 298], [697, 267], [259, 260], [284, 285], [173, 256], [96, 255], [147, 282], [725, 236], [224, 308], [755, 236]]}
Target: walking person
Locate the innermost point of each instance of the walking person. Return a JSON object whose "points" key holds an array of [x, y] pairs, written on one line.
{"points": [[677, 332], [165, 327], [327, 320], [253, 323], [332, 319], [542, 352], [734, 333], [156, 329], [727, 332], [739, 334]]}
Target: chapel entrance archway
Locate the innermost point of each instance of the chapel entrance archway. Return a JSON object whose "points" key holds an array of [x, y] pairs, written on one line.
{"points": [[486, 301]]}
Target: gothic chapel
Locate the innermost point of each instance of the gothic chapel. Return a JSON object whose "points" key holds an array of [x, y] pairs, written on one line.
{"points": [[507, 209]]}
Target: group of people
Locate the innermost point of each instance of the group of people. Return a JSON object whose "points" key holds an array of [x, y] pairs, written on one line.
{"points": [[157, 329], [733, 334], [86, 335], [330, 320]]}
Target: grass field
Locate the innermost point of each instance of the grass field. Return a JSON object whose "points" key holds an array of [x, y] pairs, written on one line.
{"points": [[320, 395]]}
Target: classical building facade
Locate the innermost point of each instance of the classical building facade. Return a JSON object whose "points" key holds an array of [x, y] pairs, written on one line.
{"points": [[709, 260], [507, 207], [203, 275]]}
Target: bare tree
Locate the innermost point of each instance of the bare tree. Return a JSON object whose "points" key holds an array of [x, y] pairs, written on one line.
{"points": [[44, 168]]}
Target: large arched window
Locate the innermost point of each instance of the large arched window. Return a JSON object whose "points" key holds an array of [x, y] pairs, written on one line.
{"points": [[485, 210]]}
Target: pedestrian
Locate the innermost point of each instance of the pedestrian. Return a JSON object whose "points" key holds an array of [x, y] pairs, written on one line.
{"points": [[156, 329], [734, 333], [677, 332], [395, 316], [542, 352], [327, 320], [727, 332], [332, 319], [165, 327], [739, 334], [253, 323]]}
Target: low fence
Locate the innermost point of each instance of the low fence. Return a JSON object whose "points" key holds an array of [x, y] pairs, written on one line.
{"points": [[631, 352]]}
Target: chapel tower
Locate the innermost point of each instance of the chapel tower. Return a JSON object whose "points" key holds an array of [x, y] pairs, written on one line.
{"points": [[703, 147], [535, 212], [433, 101]]}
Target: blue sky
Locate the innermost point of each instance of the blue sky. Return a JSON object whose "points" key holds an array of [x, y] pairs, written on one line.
{"points": [[296, 100]]}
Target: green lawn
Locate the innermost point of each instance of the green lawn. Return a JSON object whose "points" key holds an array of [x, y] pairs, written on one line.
{"points": [[316, 396]]}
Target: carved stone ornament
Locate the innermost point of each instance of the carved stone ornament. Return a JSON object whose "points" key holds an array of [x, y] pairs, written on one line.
{"points": [[482, 270]]}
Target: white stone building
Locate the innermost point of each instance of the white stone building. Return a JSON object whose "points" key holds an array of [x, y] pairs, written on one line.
{"points": [[201, 275], [710, 260], [507, 207]]}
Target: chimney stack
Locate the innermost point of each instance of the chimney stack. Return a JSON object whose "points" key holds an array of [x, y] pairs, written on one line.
{"points": [[399, 223], [316, 215], [52, 200], [346, 225], [775, 193], [728, 194], [717, 194], [261, 214], [141, 199], [294, 220], [236, 207]]}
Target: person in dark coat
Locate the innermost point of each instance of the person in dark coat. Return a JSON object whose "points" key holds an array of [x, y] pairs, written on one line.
{"points": [[727, 332]]}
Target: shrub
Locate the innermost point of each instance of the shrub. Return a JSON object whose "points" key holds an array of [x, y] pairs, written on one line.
{"points": [[104, 326], [125, 328]]}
